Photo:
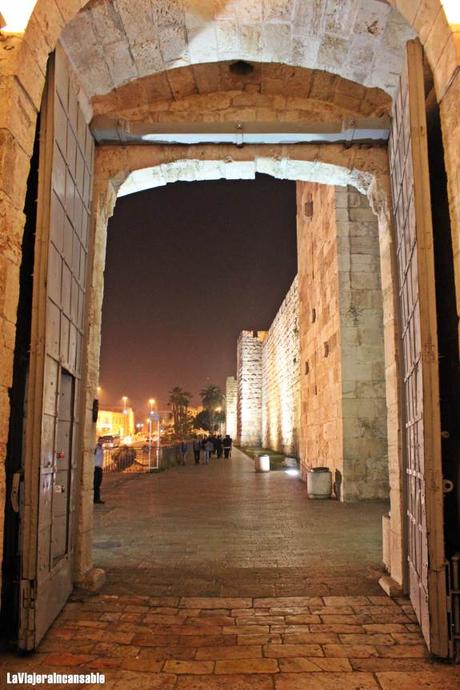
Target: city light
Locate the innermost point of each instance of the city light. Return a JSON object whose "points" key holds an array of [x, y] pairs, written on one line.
{"points": [[16, 14]]}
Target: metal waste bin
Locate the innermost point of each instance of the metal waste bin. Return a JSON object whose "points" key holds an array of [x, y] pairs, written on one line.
{"points": [[262, 463], [319, 482]]}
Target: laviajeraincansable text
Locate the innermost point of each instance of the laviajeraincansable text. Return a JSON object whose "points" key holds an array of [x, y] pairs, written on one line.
{"points": [[54, 678]]}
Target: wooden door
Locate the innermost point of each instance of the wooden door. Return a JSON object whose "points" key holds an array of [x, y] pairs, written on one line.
{"points": [[421, 415], [52, 421]]}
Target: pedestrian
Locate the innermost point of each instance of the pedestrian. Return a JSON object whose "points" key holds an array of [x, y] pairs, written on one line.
{"points": [[98, 464], [214, 444], [183, 451], [227, 444], [196, 450], [208, 449], [219, 446]]}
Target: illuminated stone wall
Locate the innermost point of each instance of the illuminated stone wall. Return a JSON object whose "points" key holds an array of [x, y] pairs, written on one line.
{"points": [[321, 423], [343, 406], [280, 378], [249, 367], [231, 405]]}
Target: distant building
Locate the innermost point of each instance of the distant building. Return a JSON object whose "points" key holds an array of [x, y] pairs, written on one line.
{"points": [[115, 421]]}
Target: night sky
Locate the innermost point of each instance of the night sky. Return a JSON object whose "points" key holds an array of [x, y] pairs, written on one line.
{"points": [[189, 266]]}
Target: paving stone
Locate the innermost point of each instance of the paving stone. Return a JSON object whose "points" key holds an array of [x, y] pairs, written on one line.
{"points": [[189, 667], [145, 681], [325, 681], [164, 653], [390, 664], [225, 682], [247, 666], [398, 651], [215, 603], [238, 652], [310, 638], [369, 638], [302, 664], [305, 618], [279, 651], [356, 651], [279, 602], [63, 659], [425, 680]]}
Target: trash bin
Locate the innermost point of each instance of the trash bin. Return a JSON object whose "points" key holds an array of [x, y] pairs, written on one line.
{"points": [[262, 463], [319, 482]]}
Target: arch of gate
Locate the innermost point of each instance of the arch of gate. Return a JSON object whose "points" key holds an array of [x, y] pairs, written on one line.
{"points": [[123, 170]]}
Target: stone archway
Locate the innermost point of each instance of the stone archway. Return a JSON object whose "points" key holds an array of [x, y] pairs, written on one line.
{"points": [[21, 90], [122, 170]]}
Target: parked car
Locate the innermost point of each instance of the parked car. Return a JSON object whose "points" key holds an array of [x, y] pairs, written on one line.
{"points": [[109, 441]]}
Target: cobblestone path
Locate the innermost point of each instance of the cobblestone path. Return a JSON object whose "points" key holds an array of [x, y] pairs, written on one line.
{"points": [[221, 579]]}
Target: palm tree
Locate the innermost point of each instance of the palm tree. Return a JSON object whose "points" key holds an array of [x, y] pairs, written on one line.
{"points": [[212, 399], [179, 401]]}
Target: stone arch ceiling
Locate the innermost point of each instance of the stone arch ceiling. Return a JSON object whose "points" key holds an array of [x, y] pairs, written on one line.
{"points": [[210, 92], [114, 42]]}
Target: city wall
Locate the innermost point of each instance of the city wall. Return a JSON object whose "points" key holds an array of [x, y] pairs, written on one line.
{"points": [[231, 406], [249, 377], [280, 378]]}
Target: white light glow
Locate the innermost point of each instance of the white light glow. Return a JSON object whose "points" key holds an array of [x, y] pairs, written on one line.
{"points": [[16, 14], [452, 11], [292, 473]]}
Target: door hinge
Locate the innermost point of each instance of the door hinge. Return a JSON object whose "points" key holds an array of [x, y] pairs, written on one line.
{"points": [[28, 593]]}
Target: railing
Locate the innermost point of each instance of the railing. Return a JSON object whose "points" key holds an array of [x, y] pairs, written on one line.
{"points": [[142, 459]]}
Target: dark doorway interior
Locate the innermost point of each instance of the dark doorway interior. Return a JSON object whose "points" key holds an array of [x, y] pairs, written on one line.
{"points": [[449, 374], [11, 562]]}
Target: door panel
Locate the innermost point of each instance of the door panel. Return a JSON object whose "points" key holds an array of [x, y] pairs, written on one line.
{"points": [[51, 438], [421, 421]]}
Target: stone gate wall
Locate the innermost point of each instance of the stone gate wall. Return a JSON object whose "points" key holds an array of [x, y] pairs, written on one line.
{"points": [[364, 414], [280, 378], [343, 405], [321, 420]]}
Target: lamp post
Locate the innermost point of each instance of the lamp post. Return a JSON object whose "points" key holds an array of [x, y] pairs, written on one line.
{"points": [[151, 414], [125, 413]]}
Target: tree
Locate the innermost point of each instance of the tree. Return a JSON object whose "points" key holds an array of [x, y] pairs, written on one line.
{"points": [[203, 420], [179, 401], [212, 399]]}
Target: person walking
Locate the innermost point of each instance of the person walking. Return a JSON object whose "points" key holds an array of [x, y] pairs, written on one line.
{"points": [[98, 464], [183, 451], [208, 449], [196, 450], [227, 445], [219, 446]]}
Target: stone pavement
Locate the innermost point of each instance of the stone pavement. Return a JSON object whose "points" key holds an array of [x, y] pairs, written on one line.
{"points": [[221, 579]]}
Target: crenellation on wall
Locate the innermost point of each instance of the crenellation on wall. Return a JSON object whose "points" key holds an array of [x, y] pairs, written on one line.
{"points": [[281, 378]]}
